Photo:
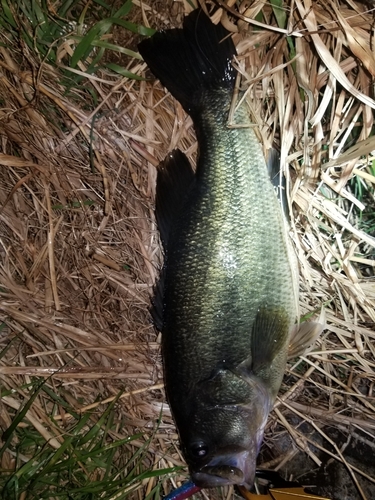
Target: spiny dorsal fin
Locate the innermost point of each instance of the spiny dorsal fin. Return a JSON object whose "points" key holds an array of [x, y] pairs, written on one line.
{"points": [[174, 181]]}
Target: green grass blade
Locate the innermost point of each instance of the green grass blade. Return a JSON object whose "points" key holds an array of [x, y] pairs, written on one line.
{"points": [[20, 415], [279, 12], [117, 48], [96, 428], [65, 7], [136, 28], [8, 345], [39, 16], [103, 4], [84, 48], [7, 14], [64, 446], [60, 401], [122, 71], [124, 10]]}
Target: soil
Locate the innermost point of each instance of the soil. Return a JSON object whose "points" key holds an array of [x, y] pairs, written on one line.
{"points": [[332, 478]]}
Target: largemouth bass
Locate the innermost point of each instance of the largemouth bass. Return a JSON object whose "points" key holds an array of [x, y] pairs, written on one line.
{"points": [[227, 298]]}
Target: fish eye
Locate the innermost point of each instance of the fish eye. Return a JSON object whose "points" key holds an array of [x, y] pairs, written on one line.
{"points": [[199, 450]]}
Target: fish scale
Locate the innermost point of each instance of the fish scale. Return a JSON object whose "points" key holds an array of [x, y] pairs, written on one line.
{"points": [[226, 301], [240, 215]]}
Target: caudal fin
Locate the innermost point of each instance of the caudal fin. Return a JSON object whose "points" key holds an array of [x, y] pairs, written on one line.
{"points": [[191, 60]]}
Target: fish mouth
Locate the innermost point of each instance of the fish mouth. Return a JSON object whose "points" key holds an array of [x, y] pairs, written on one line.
{"points": [[209, 477], [226, 470]]}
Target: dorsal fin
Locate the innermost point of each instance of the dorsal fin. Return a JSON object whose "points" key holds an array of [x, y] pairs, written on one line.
{"points": [[174, 181]]}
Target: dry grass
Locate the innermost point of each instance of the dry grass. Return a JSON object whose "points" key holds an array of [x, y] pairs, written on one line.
{"points": [[80, 252]]}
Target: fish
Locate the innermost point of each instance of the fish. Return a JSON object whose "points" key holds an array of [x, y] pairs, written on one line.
{"points": [[227, 298]]}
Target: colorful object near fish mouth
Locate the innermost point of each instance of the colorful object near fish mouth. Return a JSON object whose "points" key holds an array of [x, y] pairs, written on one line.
{"points": [[274, 488], [185, 491]]}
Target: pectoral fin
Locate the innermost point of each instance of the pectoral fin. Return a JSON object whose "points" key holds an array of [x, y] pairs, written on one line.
{"points": [[269, 336], [304, 335]]}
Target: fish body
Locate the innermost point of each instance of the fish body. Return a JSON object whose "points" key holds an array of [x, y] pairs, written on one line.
{"points": [[227, 299]]}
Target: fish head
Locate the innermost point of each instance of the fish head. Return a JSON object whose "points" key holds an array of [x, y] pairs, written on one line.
{"points": [[223, 438]]}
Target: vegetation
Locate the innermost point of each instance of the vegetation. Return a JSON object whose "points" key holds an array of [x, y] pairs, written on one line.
{"points": [[82, 128]]}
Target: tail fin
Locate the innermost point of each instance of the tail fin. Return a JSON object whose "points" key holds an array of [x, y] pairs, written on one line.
{"points": [[191, 60]]}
